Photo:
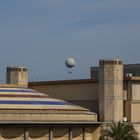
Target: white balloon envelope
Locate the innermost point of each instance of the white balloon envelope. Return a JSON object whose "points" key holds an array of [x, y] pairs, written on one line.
{"points": [[70, 62]]}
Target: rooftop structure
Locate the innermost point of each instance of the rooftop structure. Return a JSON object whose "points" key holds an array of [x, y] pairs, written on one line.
{"points": [[69, 109]]}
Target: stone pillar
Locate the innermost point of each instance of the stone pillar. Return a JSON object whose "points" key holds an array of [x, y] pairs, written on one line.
{"points": [[50, 133], [110, 90], [26, 134], [84, 133], [17, 76], [70, 133]]}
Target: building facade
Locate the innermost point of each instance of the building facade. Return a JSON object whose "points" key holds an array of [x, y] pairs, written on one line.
{"points": [[69, 109]]}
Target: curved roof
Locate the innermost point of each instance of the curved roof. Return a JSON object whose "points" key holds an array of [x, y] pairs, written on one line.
{"points": [[24, 98], [23, 104]]}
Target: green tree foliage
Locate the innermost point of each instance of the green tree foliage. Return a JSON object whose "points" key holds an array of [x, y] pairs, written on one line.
{"points": [[119, 131]]}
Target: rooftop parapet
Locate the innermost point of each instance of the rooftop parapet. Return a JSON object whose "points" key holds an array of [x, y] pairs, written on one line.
{"points": [[17, 75]]}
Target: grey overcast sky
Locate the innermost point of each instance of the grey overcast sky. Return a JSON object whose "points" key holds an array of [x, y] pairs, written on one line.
{"points": [[41, 34]]}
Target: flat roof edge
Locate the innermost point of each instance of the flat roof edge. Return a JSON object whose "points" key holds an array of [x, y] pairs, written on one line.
{"points": [[75, 81]]}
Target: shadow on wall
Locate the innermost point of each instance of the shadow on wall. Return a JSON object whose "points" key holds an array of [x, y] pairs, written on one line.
{"points": [[38, 132], [12, 133]]}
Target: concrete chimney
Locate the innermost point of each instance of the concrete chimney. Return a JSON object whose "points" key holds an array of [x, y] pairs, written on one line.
{"points": [[17, 75], [110, 90]]}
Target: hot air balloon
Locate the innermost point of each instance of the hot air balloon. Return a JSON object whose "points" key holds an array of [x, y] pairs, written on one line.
{"points": [[70, 63]]}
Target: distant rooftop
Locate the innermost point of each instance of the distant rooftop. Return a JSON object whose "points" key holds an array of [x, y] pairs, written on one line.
{"points": [[134, 69]]}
